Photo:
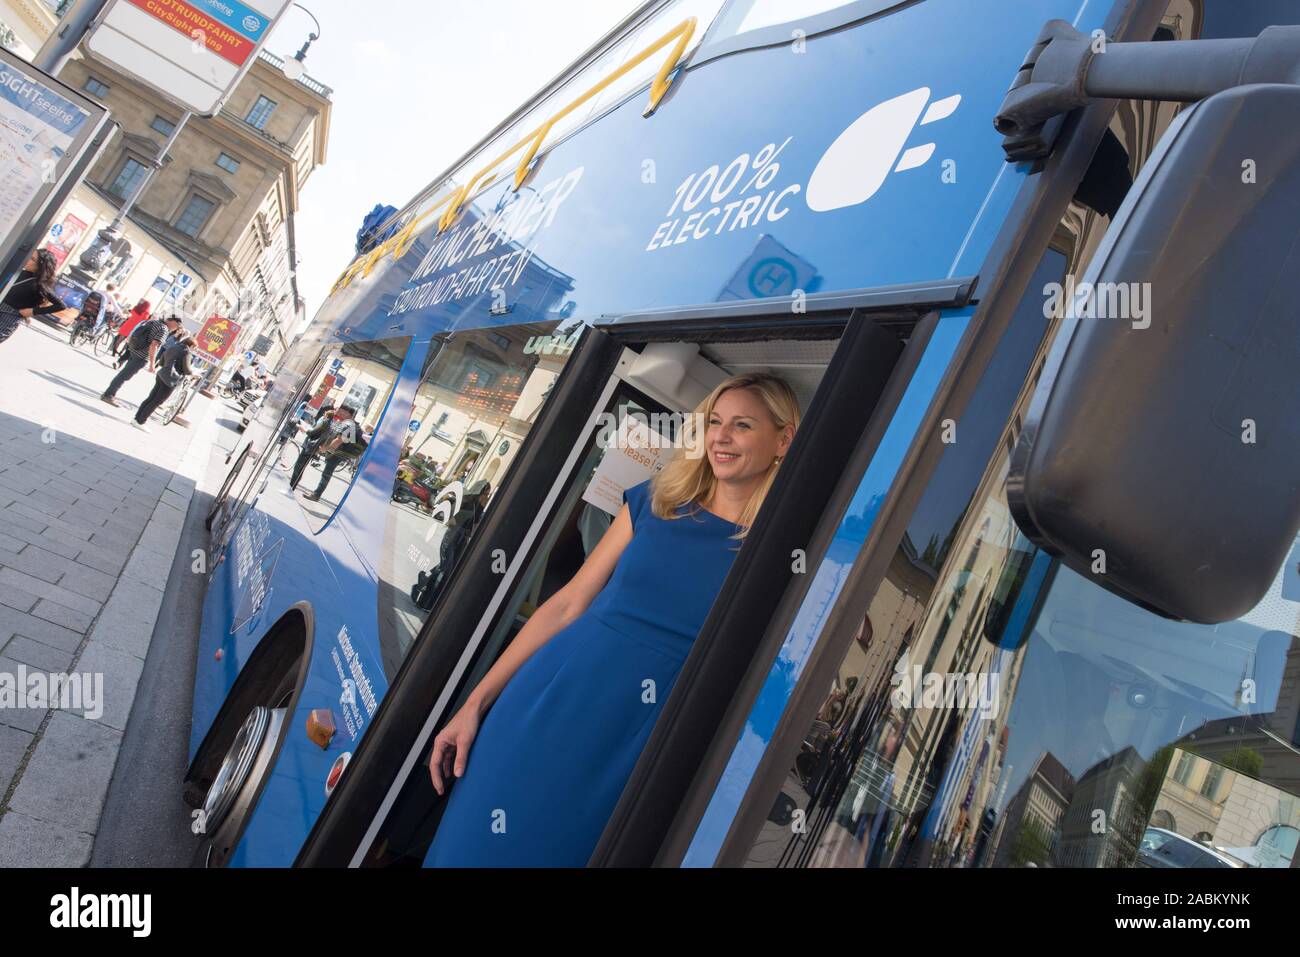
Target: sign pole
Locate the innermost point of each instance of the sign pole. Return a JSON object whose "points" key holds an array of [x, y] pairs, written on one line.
{"points": [[96, 255], [59, 45]]}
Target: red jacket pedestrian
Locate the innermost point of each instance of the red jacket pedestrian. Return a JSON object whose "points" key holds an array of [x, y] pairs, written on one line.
{"points": [[136, 316]]}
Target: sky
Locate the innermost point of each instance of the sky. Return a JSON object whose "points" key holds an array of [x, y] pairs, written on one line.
{"points": [[413, 89]]}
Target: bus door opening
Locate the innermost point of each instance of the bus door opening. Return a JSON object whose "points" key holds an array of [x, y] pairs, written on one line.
{"points": [[635, 429]]}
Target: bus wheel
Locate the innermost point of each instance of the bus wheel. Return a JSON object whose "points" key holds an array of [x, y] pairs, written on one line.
{"points": [[234, 791]]}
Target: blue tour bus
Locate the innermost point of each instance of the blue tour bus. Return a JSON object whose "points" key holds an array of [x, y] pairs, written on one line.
{"points": [[915, 660]]}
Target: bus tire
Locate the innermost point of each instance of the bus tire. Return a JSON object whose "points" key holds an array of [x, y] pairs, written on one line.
{"points": [[240, 749], [229, 801]]}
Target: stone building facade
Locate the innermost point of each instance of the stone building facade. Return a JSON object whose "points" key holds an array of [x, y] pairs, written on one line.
{"points": [[213, 232]]}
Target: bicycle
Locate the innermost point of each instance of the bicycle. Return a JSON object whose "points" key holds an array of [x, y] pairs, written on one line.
{"points": [[82, 331], [290, 449], [103, 343], [175, 405]]}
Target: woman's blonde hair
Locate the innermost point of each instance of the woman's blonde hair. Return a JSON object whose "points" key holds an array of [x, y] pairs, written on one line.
{"points": [[689, 479]]}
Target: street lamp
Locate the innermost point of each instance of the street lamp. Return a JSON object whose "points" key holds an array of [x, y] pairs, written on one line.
{"points": [[293, 67]]}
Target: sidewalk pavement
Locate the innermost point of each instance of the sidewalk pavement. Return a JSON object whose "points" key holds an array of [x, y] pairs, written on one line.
{"points": [[91, 511]]}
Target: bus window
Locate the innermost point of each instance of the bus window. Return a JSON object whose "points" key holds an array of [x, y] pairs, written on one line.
{"points": [[477, 400], [264, 447], [948, 749], [338, 415]]}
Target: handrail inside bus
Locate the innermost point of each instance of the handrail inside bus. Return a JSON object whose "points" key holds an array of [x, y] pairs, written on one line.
{"points": [[399, 244]]}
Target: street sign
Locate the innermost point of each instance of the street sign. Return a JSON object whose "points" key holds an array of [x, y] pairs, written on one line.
{"points": [[193, 51], [47, 131], [179, 284]]}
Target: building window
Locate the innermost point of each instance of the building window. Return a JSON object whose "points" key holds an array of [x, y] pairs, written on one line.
{"points": [[196, 213], [163, 126], [228, 163], [260, 113], [1210, 786], [1184, 770], [95, 87], [128, 178]]}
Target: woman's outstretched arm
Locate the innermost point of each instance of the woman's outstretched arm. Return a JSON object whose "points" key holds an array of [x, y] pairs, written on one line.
{"points": [[451, 746]]}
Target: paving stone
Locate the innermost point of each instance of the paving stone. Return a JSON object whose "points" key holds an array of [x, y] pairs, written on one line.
{"points": [[79, 529], [160, 538], [148, 566], [34, 504], [13, 746], [114, 540], [23, 719], [71, 487], [121, 675], [90, 515], [177, 500], [38, 563], [102, 560], [67, 778], [111, 486], [14, 622], [17, 599], [45, 495], [29, 842], [13, 481], [11, 517], [63, 615], [34, 654], [56, 543], [100, 500], [72, 575], [127, 621]]}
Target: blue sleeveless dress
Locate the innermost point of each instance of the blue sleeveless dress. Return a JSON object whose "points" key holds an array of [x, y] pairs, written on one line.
{"points": [[557, 747]]}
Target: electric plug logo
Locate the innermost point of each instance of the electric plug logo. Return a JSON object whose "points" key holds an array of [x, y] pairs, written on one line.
{"points": [[855, 166]]}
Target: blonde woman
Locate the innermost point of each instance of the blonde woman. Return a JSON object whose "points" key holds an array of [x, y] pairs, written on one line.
{"points": [[574, 697]]}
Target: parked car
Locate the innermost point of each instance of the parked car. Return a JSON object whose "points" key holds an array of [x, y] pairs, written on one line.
{"points": [[1162, 848]]}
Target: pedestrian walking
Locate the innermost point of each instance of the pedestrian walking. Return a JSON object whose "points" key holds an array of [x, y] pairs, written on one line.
{"points": [[326, 436], [341, 444], [173, 366], [32, 293], [142, 349], [137, 315], [112, 311]]}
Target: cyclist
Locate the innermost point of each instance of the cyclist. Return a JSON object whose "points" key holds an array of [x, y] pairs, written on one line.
{"points": [[87, 323]]}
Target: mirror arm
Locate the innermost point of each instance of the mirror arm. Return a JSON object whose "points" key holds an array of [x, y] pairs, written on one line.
{"points": [[1066, 69]]}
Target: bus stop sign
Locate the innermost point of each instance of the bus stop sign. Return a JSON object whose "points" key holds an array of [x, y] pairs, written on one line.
{"points": [[192, 51]]}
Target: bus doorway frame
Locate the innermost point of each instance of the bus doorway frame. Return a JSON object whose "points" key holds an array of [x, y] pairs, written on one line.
{"points": [[356, 813]]}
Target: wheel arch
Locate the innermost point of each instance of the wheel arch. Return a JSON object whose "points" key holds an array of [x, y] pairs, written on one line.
{"points": [[286, 647]]}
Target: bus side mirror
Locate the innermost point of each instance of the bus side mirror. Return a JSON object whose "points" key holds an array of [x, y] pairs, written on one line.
{"points": [[1160, 456]]}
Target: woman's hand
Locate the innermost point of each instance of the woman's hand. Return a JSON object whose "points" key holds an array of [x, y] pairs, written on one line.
{"points": [[451, 747]]}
